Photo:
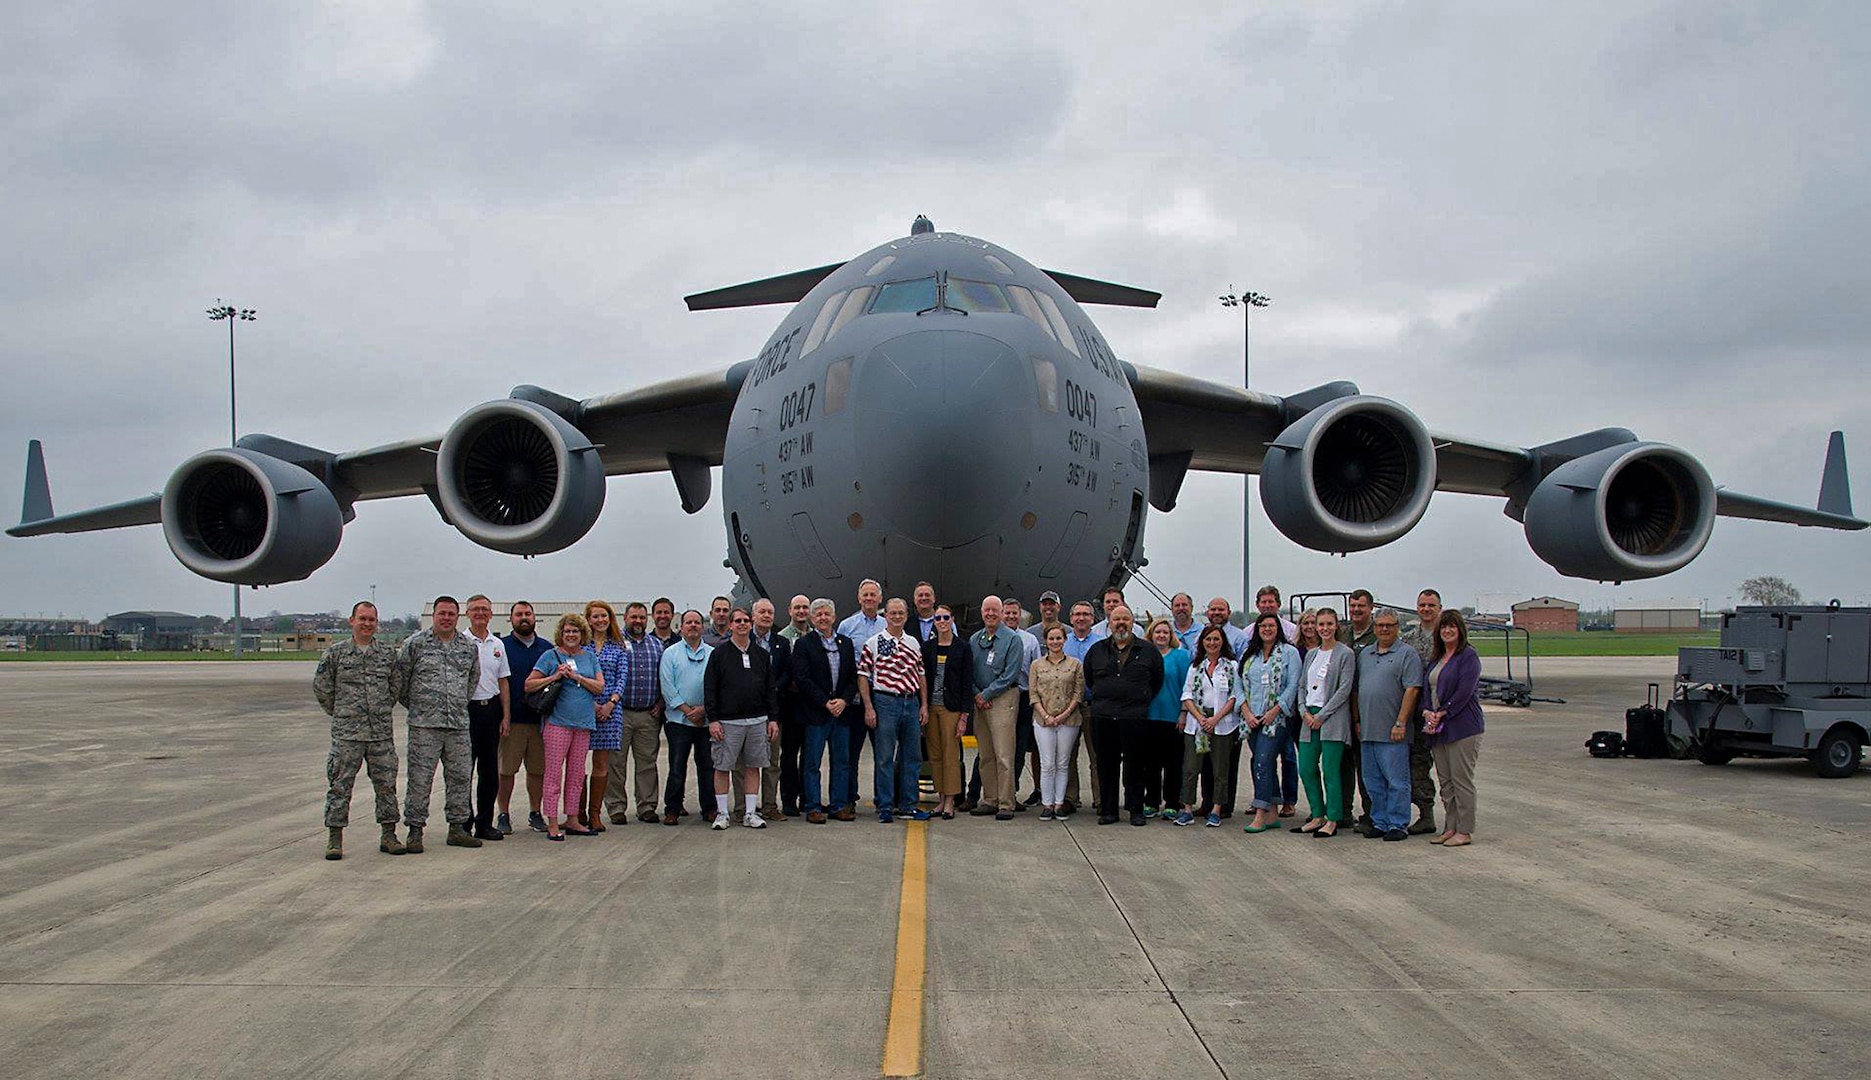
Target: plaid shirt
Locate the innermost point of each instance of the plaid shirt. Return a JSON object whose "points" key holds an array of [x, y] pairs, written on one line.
{"points": [[640, 683]]}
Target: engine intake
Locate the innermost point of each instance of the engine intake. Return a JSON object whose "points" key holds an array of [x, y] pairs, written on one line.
{"points": [[244, 517], [1622, 514], [1352, 474], [516, 477]]}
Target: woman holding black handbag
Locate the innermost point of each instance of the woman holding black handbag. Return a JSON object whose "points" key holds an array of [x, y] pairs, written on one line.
{"points": [[564, 687]]}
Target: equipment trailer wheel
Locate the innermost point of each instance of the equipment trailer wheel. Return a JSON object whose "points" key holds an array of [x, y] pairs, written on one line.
{"points": [[1710, 752], [1837, 754]]}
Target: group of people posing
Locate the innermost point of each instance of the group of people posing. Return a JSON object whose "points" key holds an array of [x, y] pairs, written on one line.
{"points": [[1162, 715]]}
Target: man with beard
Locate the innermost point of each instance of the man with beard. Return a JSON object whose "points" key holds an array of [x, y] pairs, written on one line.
{"points": [[520, 741], [1122, 673]]}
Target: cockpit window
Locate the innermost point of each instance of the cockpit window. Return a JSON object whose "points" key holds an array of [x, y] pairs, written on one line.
{"points": [[976, 296], [1024, 303], [850, 309], [906, 296], [996, 263], [1057, 318], [880, 266], [820, 325]]}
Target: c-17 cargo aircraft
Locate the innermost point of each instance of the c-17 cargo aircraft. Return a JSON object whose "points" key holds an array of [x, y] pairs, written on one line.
{"points": [[841, 454]]}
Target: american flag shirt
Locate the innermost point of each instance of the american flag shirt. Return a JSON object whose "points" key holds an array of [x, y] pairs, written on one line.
{"points": [[894, 665]]}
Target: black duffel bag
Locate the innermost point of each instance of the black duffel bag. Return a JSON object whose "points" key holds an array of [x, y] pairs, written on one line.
{"points": [[1606, 744]]}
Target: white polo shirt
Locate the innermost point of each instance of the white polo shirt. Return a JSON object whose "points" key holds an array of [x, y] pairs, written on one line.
{"points": [[493, 665]]}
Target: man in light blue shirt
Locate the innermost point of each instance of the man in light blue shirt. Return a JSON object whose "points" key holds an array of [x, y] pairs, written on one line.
{"points": [[1112, 598], [680, 676], [1219, 614], [868, 621], [861, 626], [997, 655], [1182, 621], [1078, 641]]}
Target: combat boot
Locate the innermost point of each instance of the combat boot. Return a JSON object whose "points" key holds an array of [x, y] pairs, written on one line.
{"points": [[459, 836], [390, 845], [413, 845], [334, 844]]}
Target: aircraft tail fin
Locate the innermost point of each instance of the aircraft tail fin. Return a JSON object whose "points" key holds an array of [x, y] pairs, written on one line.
{"points": [[784, 289], [37, 504], [1835, 490]]}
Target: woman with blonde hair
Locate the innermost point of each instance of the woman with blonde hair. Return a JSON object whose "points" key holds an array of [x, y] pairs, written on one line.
{"points": [[607, 645], [568, 722]]}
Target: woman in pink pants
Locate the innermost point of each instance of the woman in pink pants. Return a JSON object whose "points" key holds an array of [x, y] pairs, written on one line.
{"points": [[567, 728]]}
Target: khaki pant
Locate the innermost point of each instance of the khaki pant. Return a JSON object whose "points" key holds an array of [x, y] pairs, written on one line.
{"points": [[943, 750], [994, 732], [1455, 764], [642, 736]]}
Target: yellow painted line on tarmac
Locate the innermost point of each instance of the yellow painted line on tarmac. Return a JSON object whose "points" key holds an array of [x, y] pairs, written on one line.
{"points": [[903, 1038]]}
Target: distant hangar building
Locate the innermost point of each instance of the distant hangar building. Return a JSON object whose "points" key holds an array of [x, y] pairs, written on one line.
{"points": [[157, 631], [1546, 614]]}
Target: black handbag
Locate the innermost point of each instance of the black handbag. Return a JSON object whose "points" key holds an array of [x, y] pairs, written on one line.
{"points": [[542, 699]]}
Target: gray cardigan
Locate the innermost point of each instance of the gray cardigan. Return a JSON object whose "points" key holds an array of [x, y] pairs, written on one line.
{"points": [[1340, 675]]}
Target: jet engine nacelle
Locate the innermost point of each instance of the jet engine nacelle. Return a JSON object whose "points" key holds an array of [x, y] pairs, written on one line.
{"points": [[1352, 474], [1627, 512], [514, 476], [248, 518]]}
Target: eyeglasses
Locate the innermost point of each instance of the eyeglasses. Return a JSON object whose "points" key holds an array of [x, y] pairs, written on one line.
{"points": [[942, 618]]}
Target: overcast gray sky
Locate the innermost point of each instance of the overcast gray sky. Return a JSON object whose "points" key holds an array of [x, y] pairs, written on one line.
{"points": [[1524, 221]]}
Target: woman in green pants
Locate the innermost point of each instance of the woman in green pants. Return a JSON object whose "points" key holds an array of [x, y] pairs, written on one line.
{"points": [[1326, 730]]}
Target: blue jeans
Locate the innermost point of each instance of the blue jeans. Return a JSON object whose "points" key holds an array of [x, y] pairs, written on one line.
{"points": [[817, 738], [1267, 751], [1387, 781], [686, 740], [1289, 765], [899, 751], [855, 733]]}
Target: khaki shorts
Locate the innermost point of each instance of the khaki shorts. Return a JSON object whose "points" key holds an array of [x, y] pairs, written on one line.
{"points": [[522, 745], [742, 746]]}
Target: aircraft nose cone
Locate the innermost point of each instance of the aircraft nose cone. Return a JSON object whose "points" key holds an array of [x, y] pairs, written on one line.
{"points": [[944, 436]]}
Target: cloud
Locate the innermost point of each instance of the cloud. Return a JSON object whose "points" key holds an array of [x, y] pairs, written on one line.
{"points": [[1521, 222]]}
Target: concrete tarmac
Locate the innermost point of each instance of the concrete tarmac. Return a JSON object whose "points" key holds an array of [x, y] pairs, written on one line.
{"points": [[165, 911]]}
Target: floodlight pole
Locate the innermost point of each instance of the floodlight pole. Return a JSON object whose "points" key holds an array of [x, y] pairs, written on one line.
{"points": [[222, 312], [1247, 301]]}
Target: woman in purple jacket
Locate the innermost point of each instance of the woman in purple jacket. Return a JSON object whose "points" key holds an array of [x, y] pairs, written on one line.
{"points": [[1452, 723]]}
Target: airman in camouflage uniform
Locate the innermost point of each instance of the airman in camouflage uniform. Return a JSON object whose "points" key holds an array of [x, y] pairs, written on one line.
{"points": [[1422, 638], [439, 670], [356, 685]]}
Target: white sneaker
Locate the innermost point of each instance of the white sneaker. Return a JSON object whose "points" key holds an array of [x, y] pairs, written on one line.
{"points": [[754, 821], [720, 823]]}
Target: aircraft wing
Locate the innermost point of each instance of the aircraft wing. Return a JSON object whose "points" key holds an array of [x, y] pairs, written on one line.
{"points": [[678, 425], [1197, 424]]}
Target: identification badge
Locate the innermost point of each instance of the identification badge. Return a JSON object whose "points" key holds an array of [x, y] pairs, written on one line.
{"points": [[747, 661]]}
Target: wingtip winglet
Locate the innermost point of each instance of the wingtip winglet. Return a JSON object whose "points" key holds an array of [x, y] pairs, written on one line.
{"points": [[1835, 493], [36, 505]]}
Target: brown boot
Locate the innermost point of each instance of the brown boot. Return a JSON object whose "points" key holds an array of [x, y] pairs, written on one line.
{"points": [[390, 845], [334, 844], [459, 836], [413, 845], [594, 814]]}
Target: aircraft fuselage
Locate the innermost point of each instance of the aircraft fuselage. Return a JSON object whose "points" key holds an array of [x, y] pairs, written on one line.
{"points": [[937, 409]]}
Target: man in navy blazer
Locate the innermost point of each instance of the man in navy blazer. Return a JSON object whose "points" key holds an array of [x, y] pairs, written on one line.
{"points": [[825, 698]]}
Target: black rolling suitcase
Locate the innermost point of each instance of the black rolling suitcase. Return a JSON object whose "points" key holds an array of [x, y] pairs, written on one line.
{"points": [[1645, 728]]}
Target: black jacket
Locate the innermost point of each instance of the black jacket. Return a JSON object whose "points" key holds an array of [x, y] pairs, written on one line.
{"points": [[812, 680], [733, 691], [956, 689], [1124, 692], [782, 655]]}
